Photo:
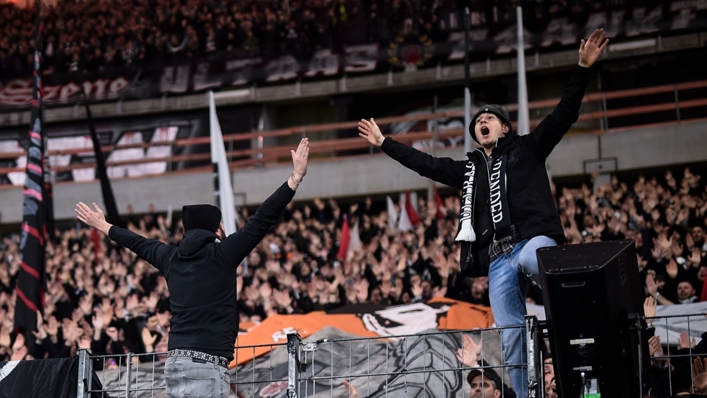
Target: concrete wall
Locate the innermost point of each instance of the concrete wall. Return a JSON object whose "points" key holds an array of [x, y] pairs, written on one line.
{"points": [[678, 143], [633, 149]]}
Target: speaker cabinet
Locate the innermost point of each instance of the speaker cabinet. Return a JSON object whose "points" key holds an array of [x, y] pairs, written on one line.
{"points": [[592, 296]]}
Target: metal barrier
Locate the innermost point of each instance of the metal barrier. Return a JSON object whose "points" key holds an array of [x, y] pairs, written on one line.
{"points": [[423, 365], [432, 364], [674, 365]]}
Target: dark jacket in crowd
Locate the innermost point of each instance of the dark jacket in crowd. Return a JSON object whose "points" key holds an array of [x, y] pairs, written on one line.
{"points": [[531, 205], [201, 276]]}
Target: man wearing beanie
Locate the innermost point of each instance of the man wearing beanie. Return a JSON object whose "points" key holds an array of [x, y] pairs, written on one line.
{"points": [[201, 276], [507, 209]]}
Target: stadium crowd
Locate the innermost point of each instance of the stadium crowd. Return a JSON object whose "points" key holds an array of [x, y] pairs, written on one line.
{"points": [[105, 298], [102, 35]]}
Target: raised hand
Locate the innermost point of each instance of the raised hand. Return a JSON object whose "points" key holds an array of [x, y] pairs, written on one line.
{"points": [[40, 334], [98, 321], [282, 298], [299, 159], [440, 262], [148, 339], [439, 292], [656, 252], [93, 218], [699, 371], [672, 268], [71, 331], [416, 289], [684, 341], [85, 342], [470, 353], [152, 301], [654, 347], [664, 242], [77, 315], [591, 49], [265, 290], [370, 131], [695, 256], [649, 306]]}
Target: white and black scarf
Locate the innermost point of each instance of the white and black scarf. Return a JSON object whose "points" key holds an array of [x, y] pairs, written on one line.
{"points": [[498, 201]]}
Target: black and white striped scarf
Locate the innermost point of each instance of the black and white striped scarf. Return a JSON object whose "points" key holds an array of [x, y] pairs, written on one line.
{"points": [[498, 201]]}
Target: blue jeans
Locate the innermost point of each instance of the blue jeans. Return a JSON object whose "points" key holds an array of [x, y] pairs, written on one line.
{"points": [[187, 378], [508, 277]]}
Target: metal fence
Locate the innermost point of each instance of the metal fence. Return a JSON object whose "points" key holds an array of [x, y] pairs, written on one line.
{"points": [[332, 364], [672, 366]]}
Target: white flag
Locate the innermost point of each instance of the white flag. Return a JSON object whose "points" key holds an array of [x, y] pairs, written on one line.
{"points": [[392, 214], [222, 182], [404, 224], [355, 239]]}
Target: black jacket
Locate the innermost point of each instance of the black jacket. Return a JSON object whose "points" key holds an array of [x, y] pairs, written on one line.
{"points": [[531, 205], [201, 276]]}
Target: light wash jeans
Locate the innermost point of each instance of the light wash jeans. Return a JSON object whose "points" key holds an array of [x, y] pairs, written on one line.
{"points": [[508, 277], [186, 378]]}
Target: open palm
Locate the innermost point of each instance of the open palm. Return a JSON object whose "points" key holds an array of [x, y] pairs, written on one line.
{"points": [[591, 49], [369, 130]]}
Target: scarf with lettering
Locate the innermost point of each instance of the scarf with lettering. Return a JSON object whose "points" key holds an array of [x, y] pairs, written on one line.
{"points": [[498, 201]]}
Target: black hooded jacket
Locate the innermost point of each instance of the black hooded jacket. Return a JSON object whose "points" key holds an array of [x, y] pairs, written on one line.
{"points": [[531, 205], [201, 276]]}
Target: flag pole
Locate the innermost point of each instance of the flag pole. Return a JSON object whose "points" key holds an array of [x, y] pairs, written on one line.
{"points": [[523, 112], [467, 93]]}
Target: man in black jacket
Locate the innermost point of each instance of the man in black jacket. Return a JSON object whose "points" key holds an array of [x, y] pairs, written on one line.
{"points": [[507, 208], [201, 276]]}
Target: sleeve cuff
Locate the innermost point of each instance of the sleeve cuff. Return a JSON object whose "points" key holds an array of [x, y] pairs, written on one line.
{"points": [[582, 71]]}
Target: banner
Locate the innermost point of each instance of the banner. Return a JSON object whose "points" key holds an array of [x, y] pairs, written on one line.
{"points": [[409, 50], [45, 378], [154, 157], [31, 280], [365, 320]]}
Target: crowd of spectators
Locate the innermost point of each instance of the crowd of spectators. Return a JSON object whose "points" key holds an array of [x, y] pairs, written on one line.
{"points": [[98, 35], [105, 298]]}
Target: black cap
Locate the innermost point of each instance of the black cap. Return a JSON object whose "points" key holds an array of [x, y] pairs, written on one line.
{"points": [[489, 374], [206, 217], [496, 110]]}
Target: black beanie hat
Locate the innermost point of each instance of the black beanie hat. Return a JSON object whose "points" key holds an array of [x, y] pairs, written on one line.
{"points": [[496, 110], [206, 217]]}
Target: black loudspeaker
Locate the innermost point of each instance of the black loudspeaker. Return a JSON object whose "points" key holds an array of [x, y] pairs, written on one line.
{"points": [[594, 308]]}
